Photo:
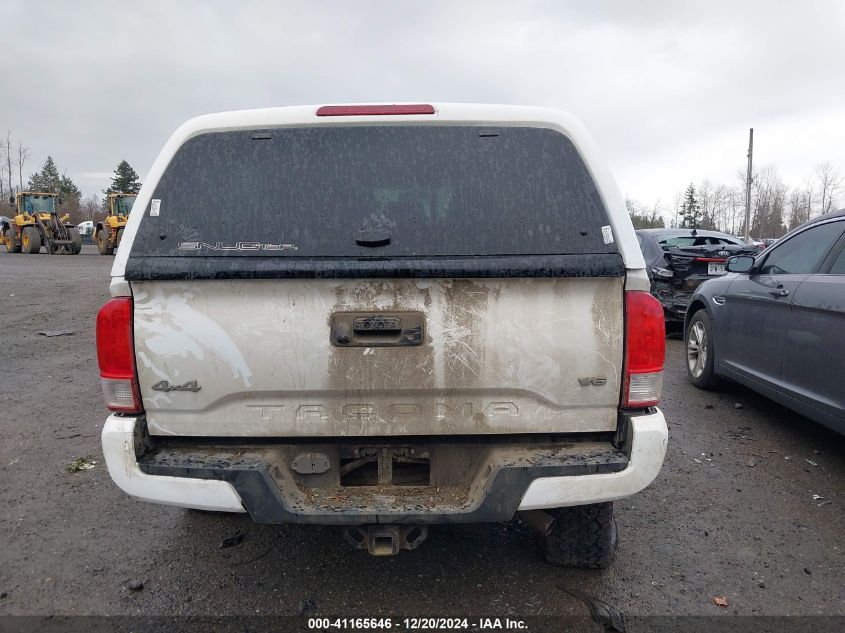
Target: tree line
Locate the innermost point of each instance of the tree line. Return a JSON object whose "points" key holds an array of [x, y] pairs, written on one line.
{"points": [[775, 206], [49, 178], [13, 157]]}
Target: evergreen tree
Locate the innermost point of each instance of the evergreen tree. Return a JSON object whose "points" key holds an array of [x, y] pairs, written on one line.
{"points": [[125, 180], [49, 179], [690, 209], [68, 188]]}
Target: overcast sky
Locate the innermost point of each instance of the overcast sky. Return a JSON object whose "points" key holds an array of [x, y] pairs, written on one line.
{"points": [[669, 89]]}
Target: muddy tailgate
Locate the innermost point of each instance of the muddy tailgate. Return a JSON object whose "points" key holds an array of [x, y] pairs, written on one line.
{"points": [[256, 357]]}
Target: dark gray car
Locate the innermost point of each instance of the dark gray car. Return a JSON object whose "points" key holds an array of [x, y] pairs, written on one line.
{"points": [[776, 323]]}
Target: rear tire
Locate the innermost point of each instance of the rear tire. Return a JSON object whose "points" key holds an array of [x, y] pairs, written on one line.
{"points": [[30, 240], [582, 536], [76, 241], [118, 238], [698, 345], [9, 241], [103, 242]]}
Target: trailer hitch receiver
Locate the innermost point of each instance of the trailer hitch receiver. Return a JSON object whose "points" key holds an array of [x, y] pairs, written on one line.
{"points": [[386, 540]]}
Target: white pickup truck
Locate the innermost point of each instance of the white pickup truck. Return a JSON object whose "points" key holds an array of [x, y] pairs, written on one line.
{"points": [[385, 317]]}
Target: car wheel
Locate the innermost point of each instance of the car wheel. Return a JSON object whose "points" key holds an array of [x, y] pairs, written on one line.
{"points": [[699, 351]]}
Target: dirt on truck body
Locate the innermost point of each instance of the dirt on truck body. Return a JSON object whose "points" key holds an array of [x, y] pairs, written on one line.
{"points": [[385, 317]]}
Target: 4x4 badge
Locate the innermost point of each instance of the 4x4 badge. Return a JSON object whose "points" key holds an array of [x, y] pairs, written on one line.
{"points": [[163, 385]]}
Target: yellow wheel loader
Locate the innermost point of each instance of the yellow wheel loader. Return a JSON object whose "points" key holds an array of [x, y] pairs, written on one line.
{"points": [[107, 234], [37, 223]]}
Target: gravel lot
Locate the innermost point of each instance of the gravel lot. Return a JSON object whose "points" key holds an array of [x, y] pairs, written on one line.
{"points": [[732, 513]]}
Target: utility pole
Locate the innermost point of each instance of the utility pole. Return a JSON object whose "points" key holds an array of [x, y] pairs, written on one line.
{"points": [[748, 188]]}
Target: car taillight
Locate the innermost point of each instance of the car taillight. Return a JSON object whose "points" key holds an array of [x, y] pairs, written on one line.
{"points": [[645, 350], [360, 110], [116, 356]]}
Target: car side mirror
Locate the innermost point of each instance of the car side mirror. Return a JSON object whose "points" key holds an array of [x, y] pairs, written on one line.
{"points": [[739, 264]]}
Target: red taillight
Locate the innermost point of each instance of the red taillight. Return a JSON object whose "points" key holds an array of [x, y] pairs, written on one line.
{"points": [[116, 356], [359, 110], [645, 350]]}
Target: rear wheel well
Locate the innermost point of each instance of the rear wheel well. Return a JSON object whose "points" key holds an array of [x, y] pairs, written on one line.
{"points": [[694, 307]]}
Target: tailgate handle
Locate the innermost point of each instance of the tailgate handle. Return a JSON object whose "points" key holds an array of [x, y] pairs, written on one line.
{"points": [[361, 329]]}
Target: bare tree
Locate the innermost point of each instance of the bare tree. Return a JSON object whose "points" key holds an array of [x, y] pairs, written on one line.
{"points": [[23, 154], [829, 183], [676, 219], [798, 209], [742, 178], [8, 149], [656, 216], [768, 208], [808, 192], [90, 208], [642, 217], [737, 204], [707, 202], [720, 213]]}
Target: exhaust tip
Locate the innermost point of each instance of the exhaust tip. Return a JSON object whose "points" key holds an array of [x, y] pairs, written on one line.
{"points": [[540, 520]]}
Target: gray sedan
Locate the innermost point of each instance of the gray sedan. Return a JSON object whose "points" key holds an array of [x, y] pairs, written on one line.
{"points": [[776, 323]]}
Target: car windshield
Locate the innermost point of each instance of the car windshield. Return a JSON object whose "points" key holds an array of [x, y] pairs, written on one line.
{"points": [[123, 205], [39, 204]]}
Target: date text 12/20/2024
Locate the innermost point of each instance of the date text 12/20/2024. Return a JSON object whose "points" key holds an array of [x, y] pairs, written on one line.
{"points": [[417, 624]]}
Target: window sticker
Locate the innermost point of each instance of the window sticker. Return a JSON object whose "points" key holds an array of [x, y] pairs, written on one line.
{"points": [[155, 205], [606, 233]]}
